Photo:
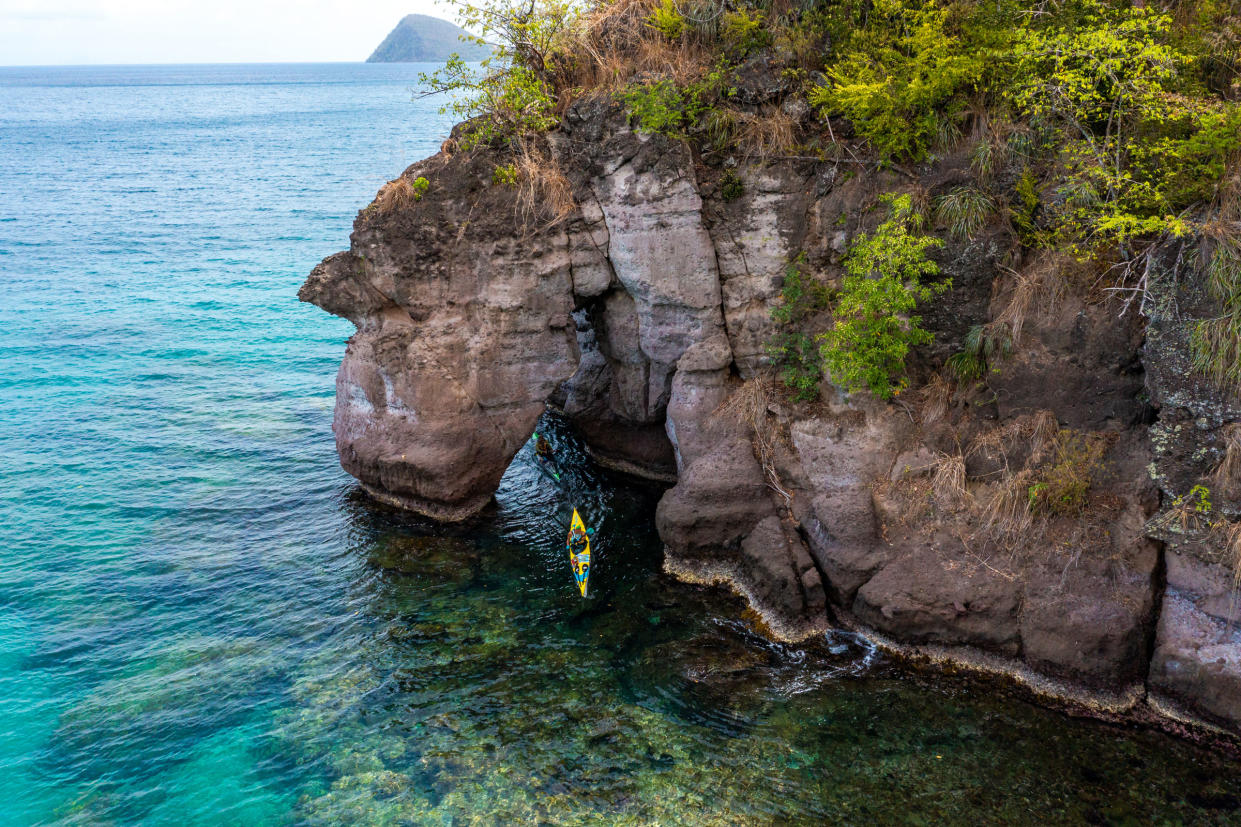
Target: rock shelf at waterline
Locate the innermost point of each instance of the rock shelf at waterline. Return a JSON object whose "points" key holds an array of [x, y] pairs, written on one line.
{"points": [[644, 315]]}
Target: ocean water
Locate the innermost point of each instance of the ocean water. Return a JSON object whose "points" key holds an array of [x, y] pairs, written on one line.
{"points": [[202, 620]]}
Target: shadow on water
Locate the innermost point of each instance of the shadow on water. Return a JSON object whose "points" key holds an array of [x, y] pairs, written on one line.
{"points": [[485, 687], [432, 674]]}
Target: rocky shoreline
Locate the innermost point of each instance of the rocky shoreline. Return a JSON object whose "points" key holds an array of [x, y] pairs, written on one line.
{"points": [[644, 314]]}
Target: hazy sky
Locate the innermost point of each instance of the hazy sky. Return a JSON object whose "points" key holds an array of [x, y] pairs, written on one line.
{"points": [[210, 31]]}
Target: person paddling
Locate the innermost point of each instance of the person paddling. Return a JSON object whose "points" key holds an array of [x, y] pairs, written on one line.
{"points": [[542, 448], [578, 540]]}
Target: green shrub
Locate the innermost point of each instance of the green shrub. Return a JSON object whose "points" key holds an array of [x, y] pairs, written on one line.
{"points": [[511, 93], [731, 185], [1062, 487], [663, 107], [1134, 149], [794, 351], [799, 364], [505, 175], [1101, 94], [1023, 211], [667, 19], [744, 33], [801, 295], [874, 327], [901, 79], [420, 186]]}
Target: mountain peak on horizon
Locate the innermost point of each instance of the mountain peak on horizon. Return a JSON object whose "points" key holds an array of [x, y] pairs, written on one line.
{"points": [[420, 37]]}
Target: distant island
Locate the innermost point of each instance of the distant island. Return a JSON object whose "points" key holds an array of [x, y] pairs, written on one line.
{"points": [[419, 37]]}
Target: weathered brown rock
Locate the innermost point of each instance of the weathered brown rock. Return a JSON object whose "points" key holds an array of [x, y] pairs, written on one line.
{"points": [[646, 310], [718, 501], [756, 236], [464, 330], [1089, 619], [916, 598]]}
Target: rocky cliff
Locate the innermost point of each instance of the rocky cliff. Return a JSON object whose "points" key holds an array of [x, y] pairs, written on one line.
{"points": [[644, 316]]}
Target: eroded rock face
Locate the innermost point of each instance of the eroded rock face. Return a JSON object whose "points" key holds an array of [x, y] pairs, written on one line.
{"points": [[1197, 659], [1196, 664], [645, 315], [464, 330]]}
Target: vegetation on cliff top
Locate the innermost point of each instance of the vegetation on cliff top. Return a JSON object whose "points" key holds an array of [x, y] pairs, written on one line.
{"points": [[1100, 128]]}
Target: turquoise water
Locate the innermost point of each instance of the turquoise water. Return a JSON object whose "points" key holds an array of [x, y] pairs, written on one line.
{"points": [[203, 621]]}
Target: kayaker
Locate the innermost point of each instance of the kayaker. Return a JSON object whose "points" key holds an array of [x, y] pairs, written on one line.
{"points": [[542, 448], [577, 541]]}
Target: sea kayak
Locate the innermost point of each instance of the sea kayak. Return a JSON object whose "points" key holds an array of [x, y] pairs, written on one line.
{"points": [[579, 561]]}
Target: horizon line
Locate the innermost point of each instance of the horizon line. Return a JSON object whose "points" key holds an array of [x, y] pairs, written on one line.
{"points": [[212, 63]]}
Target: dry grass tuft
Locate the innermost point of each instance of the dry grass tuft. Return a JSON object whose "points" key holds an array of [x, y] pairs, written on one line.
{"points": [[1232, 550], [543, 192], [1035, 291], [1008, 513], [749, 405], [770, 132], [395, 196], [615, 42], [1042, 429], [936, 400], [1053, 480], [1036, 433], [949, 481], [1227, 475]]}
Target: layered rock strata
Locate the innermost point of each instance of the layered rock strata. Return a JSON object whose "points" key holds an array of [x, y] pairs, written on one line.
{"points": [[644, 316]]}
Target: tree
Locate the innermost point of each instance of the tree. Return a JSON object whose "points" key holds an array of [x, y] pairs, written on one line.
{"points": [[510, 93]]}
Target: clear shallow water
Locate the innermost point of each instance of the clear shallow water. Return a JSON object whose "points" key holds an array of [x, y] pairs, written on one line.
{"points": [[202, 621]]}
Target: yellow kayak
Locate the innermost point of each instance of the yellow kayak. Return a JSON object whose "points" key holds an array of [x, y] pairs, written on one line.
{"points": [[579, 552]]}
